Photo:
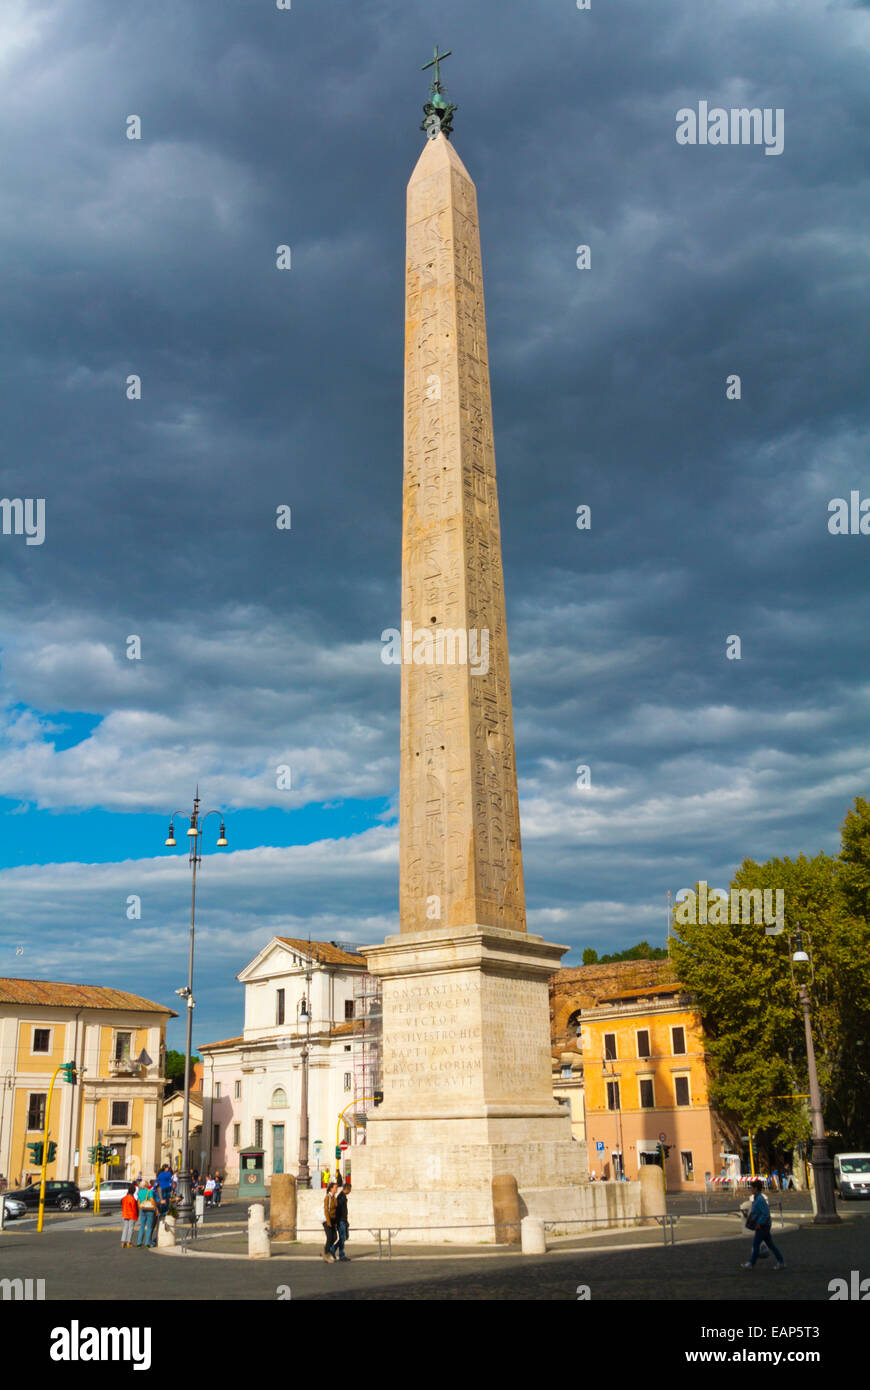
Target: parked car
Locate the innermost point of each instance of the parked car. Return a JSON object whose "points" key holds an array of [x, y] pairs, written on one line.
{"points": [[13, 1208], [852, 1175], [111, 1193], [64, 1196]]}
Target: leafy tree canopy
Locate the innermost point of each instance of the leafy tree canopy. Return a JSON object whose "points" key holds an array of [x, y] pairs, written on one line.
{"points": [[743, 984], [642, 951]]}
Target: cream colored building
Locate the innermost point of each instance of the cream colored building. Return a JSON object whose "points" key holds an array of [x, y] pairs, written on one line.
{"points": [[173, 1129], [296, 992], [117, 1041]]}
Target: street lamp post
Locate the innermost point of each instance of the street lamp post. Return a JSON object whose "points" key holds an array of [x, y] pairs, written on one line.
{"points": [[194, 833], [823, 1168], [303, 1014]]}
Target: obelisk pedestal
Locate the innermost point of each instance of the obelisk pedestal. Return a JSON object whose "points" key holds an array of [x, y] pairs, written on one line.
{"points": [[467, 1083]]}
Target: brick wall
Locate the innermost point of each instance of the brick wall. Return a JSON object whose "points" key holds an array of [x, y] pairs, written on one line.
{"points": [[583, 986]]}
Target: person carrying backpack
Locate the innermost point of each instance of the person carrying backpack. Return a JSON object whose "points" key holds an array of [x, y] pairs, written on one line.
{"points": [[758, 1221]]}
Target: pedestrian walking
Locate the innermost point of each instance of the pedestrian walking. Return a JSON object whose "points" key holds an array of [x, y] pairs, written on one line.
{"points": [[341, 1224], [758, 1221], [164, 1182], [209, 1190], [129, 1214], [218, 1189], [147, 1212], [330, 1202]]}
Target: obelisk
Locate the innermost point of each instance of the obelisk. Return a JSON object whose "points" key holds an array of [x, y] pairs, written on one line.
{"points": [[459, 857], [467, 1075]]}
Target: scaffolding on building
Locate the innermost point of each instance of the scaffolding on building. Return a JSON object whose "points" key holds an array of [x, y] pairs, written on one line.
{"points": [[367, 1051]]}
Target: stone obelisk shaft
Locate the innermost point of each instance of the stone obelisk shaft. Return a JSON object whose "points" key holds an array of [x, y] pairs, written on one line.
{"points": [[460, 860]]}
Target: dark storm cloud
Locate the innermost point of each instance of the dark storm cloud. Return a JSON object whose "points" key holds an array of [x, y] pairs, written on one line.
{"points": [[709, 517]]}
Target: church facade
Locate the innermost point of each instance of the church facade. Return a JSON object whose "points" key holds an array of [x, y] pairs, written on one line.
{"points": [[298, 995]]}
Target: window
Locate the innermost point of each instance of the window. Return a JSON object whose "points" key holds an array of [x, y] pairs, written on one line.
{"points": [[120, 1112], [347, 1081], [279, 1006], [567, 1070], [123, 1045], [36, 1112], [688, 1165], [347, 1047], [215, 1136], [647, 1094], [610, 1047], [41, 1040], [613, 1095], [618, 1170], [678, 1041], [237, 1090], [279, 1097], [348, 1008], [643, 1042], [258, 1134], [237, 1136], [681, 1090], [217, 1090]]}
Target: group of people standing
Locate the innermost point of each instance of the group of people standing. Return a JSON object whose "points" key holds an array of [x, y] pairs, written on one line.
{"points": [[146, 1202], [209, 1187], [335, 1224]]}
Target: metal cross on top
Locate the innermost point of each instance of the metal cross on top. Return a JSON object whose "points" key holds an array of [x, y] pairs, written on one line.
{"points": [[439, 57]]}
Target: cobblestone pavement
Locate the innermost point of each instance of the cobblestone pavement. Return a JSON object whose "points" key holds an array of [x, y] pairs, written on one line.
{"points": [[76, 1264]]}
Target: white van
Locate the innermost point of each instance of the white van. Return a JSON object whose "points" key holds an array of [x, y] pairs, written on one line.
{"points": [[852, 1175]]}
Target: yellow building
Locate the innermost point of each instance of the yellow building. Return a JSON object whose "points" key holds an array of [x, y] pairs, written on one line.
{"points": [[117, 1041], [645, 1082]]}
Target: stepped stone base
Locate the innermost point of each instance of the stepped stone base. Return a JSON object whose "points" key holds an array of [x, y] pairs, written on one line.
{"points": [[465, 1217]]}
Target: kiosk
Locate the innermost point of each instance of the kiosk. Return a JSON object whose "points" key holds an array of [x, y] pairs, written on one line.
{"points": [[252, 1176]]}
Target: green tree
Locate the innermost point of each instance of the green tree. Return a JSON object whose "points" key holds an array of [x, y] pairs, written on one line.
{"points": [[590, 957], [742, 981], [174, 1069], [642, 951]]}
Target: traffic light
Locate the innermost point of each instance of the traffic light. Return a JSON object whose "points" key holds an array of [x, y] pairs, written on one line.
{"points": [[52, 1151], [69, 1072], [36, 1151], [93, 1154]]}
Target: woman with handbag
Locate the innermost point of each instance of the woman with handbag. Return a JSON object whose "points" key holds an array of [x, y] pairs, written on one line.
{"points": [[147, 1212]]}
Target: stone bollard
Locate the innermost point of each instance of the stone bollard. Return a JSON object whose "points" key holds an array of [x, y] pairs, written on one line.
{"points": [[282, 1206], [506, 1209], [652, 1191], [259, 1246], [166, 1233], [533, 1237]]}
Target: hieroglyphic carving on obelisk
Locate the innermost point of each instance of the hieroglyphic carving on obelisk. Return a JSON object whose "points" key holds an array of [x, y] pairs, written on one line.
{"points": [[460, 858]]}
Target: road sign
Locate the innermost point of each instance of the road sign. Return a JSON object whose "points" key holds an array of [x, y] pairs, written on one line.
{"points": [[343, 1145], [318, 1146], [599, 1145], [662, 1137]]}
